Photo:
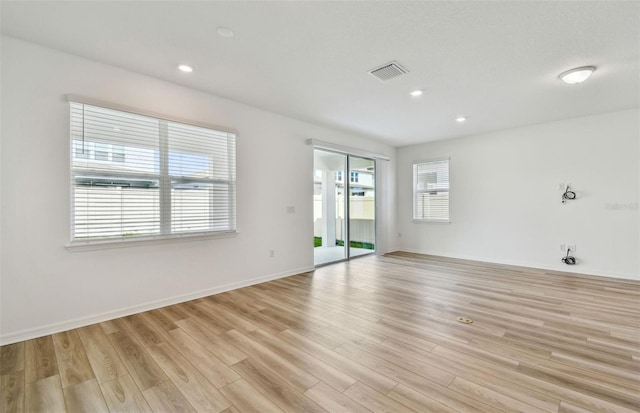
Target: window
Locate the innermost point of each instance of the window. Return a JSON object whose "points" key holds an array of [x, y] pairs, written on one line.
{"points": [[353, 177], [339, 176], [431, 191], [140, 176]]}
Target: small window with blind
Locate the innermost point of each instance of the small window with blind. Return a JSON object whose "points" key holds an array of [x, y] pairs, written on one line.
{"points": [[135, 176], [431, 191]]}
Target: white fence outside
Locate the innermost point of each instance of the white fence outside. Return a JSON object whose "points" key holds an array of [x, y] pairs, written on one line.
{"points": [[362, 230], [362, 211]]}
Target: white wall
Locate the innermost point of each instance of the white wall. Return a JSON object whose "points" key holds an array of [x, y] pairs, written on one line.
{"points": [[505, 201], [45, 288]]}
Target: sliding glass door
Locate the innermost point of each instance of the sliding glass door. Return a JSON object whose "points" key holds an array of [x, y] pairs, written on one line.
{"points": [[343, 206], [362, 206], [329, 206]]}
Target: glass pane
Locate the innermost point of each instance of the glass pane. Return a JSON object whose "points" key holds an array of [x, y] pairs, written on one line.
{"points": [[196, 152], [330, 229], [107, 207], [362, 212], [200, 206], [107, 141]]}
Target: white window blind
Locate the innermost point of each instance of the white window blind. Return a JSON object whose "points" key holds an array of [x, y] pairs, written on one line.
{"points": [[431, 190], [139, 176]]}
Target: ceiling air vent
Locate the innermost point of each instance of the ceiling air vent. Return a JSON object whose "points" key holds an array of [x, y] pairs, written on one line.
{"points": [[388, 71]]}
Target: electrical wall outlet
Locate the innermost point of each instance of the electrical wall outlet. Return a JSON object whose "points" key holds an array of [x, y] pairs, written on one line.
{"points": [[571, 247], [272, 253], [563, 247]]}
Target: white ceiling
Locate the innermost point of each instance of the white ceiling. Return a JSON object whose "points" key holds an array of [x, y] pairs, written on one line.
{"points": [[495, 62]]}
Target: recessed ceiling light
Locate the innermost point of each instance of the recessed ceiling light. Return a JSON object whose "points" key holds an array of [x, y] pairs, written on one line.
{"points": [[461, 119], [577, 75], [225, 32], [416, 93], [186, 68]]}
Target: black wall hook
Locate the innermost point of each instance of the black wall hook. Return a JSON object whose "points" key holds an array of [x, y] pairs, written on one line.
{"points": [[569, 260], [568, 195]]}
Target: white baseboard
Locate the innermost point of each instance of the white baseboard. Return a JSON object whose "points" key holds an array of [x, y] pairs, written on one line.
{"points": [[392, 248], [561, 268], [122, 312]]}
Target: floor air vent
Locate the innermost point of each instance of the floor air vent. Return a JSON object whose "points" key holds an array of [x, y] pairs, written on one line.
{"points": [[388, 71]]}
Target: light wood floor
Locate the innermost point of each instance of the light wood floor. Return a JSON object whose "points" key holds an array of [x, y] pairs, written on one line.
{"points": [[376, 334]]}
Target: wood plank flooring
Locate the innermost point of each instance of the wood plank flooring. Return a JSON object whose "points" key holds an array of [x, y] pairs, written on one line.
{"points": [[377, 334]]}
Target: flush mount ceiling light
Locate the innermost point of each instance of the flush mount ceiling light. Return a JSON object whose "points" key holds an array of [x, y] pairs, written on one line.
{"points": [[185, 68], [416, 93], [577, 75], [225, 32], [461, 119]]}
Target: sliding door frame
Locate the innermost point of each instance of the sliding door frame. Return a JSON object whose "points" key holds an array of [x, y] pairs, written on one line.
{"points": [[347, 202]]}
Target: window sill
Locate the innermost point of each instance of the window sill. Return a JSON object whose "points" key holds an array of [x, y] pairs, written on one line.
{"points": [[78, 246], [432, 221]]}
